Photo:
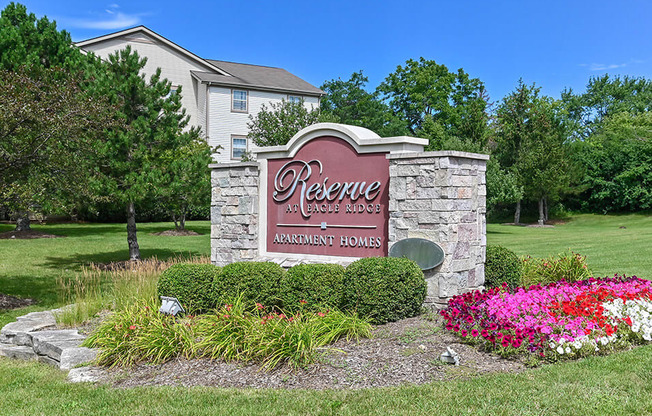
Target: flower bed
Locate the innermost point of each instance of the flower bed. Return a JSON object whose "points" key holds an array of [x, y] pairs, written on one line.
{"points": [[559, 319]]}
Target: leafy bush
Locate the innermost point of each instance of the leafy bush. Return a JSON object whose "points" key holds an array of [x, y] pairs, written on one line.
{"points": [[257, 282], [191, 284], [316, 284], [384, 289], [568, 266], [501, 266]]}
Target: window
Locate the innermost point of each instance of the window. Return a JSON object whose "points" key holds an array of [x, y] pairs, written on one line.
{"points": [[295, 99], [173, 90], [239, 101], [238, 147]]}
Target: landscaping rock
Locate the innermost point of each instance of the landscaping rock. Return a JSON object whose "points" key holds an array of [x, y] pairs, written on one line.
{"points": [[72, 357], [85, 374], [17, 352]]}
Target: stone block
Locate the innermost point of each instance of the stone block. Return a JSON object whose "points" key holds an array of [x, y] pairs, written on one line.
{"points": [[460, 180], [417, 205], [461, 251], [229, 210], [17, 352], [426, 181], [462, 265], [429, 217], [236, 172], [464, 193], [397, 188], [410, 188], [407, 170], [466, 232], [448, 285], [428, 193]]}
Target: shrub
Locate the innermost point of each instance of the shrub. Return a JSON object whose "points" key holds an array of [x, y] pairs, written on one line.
{"points": [[384, 289], [317, 284], [568, 266], [191, 284], [501, 266], [257, 282]]}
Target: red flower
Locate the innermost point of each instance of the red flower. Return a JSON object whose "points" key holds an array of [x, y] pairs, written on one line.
{"points": [[132, 327], [228, 307], [303, 302], [322, 314], [259, 306]]}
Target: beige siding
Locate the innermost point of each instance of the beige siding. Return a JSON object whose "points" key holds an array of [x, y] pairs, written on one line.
{"points": [[224, 123], [174, 66]]}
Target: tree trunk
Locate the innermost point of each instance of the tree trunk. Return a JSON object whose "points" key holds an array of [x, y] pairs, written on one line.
{"points": [[182, 220], [174, 219], [132, 239], [517, 213], [22, 221], [542, 219], [545, 209]]}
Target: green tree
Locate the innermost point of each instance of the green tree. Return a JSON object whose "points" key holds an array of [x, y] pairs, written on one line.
{"points": [[131, 157], [48, 124], [530, 143], [185, 184], [27, 42], [275, 125], [431, 99], [604, 97], [350, 103], [43, 93], [617, 160]]}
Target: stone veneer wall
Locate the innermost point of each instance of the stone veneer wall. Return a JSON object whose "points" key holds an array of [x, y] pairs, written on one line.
{"points": [[234, 212], [441, 196]]}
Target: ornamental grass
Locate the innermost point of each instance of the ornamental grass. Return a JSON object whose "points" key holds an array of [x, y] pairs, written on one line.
{"points": [[232, 332]]}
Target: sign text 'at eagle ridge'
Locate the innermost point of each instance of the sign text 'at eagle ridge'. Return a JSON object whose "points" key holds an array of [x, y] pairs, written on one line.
{"points": [[328, 200]]}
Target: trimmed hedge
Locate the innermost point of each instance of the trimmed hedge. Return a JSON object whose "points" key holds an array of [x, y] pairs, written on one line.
{"points": [[191, 284], [384, 289], [502, 265], [258, 282], [317, 284]]}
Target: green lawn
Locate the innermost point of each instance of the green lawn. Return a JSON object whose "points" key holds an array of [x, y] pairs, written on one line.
{"points": [[609, 248], [618, 384]]}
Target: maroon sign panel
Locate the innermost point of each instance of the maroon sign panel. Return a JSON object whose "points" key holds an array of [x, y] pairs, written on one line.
{"points": [[328, 200]]}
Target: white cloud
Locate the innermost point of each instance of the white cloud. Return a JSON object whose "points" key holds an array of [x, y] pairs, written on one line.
{"points": [[603, 67], [114, 20]]}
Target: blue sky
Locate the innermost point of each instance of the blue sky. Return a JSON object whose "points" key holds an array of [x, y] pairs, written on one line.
{"points": [[554, 43]]}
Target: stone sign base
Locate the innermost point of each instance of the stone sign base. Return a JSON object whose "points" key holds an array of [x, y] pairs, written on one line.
{"points": [[439, 196]]}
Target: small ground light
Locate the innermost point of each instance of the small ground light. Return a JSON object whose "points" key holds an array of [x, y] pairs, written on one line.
{"points": [[171, 306], [450, 356]]}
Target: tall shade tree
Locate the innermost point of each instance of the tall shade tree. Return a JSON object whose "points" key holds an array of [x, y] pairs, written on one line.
{"points": [[604, 97], [350, 103], [47, 126], [275, 125], [423, 92], [617, 160], [46, 115], [131, 157], [530, 137]]}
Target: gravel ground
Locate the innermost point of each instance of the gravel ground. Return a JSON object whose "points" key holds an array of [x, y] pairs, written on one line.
{"points": [[404, 352], [11, 302]]}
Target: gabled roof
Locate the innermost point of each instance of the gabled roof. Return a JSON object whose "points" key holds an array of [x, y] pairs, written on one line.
{"points": [[226, 73], [257, 77], [151, 33]]}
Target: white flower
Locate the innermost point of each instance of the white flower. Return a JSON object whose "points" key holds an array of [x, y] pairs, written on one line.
{"points": [[560, 349]]}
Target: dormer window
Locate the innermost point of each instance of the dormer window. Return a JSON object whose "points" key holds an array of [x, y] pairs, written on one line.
{"points": [[239, 101]]}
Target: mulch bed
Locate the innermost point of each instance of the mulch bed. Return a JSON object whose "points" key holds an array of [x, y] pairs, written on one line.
{"points": [[11, 302], [404, 352], [26, 235], [176, 233]]}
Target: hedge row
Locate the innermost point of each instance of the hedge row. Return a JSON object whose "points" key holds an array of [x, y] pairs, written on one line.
{"points": [[382, 289]]}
